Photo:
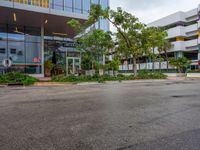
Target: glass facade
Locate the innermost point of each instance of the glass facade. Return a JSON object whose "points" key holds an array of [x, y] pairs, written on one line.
{"points": [[22, 45], [40, 3], [77, 6]]}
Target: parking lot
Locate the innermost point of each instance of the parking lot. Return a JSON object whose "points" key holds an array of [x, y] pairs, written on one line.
{"points": [[135, 115]]}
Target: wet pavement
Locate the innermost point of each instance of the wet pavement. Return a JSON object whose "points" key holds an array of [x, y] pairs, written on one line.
{"points": [[158, 115]]}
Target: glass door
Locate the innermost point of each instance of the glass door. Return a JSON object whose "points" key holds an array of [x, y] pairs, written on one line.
{"points": [[69, 65], [73, 65], [76, 65]]}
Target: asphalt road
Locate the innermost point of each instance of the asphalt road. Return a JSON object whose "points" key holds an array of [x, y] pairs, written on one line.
{"points": [[159, 115]]}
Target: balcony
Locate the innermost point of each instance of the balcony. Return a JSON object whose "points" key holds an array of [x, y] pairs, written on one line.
{"points": [[191, 43], [199, 24], [178, 46], [178, 31], [191, 28]]}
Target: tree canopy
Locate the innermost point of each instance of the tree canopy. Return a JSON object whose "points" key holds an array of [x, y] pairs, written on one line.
{"points": [[134, 39]]}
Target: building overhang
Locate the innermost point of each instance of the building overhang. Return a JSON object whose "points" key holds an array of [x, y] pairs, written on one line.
{"points": [[53, 21]]}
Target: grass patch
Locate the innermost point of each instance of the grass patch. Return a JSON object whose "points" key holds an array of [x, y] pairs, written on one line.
{"points": [[17, 78]]}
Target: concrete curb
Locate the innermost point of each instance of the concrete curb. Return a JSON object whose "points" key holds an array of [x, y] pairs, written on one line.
{"points": [[51, 84]]}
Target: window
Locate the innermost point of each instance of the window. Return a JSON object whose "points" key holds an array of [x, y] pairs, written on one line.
{"points": [[3, 34], [45, 3], [104, 24], [3, 43], [32, 34], [95, 1], [23, 46], [33, 58], [13, 51], [2, 50], [86, 6], [78, 6], [104, 3], [68, 4], [58, 4]]}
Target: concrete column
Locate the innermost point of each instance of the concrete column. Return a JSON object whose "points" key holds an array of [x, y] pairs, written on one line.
{"points": [[199, 52], [42, 50], [178, 54], [199, 47], [104, 59]]}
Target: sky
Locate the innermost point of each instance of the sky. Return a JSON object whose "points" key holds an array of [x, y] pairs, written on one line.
{"points": [[151, 10]]}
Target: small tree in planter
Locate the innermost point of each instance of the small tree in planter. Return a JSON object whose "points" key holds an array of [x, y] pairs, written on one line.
{"points": [[106, 69], [100, 69], [180, 63], [48, 65], [114, 66]]}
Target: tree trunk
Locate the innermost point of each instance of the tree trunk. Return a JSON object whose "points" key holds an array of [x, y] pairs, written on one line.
{"points": [[127, 64], [146, 60], [135, 67], [139, 63], [160, 66], [159, 62], [166, 57], [167, 65], [153, 63]]}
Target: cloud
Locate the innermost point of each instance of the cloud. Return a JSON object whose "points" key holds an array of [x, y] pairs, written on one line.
{"points": [[151, 10]]}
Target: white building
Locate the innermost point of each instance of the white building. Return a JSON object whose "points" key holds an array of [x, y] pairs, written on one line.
{"points": [[183, 30]]}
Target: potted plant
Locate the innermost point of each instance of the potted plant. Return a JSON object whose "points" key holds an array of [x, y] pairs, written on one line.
{"points": [[100, 69], [114, 65], [181, 65], [48, 66]]}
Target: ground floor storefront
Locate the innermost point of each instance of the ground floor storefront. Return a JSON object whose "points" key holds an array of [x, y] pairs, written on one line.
{"points": [[26, 49]]}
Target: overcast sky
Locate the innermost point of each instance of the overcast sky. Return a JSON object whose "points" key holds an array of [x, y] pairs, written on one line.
{"points": [[150, 10]]}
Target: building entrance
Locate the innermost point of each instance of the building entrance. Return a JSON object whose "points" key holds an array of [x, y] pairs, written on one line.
{"points": [[64, 57], [73, 65]]}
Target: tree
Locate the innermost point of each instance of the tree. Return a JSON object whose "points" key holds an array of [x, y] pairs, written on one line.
{"points": [[164, 48], [156, 39], [86, 62], [129, 31], [134, 38], [180, 63], [96, 42], [114, 65]]}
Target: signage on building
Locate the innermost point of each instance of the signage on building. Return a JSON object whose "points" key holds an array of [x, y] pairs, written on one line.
{"points": [[7, 63], [36, 60], [69, 44], [199, 62]]}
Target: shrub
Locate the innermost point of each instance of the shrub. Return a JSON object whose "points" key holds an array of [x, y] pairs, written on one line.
{"points": [[146, 74], [96, 77], [141, 75], [180, 63], [17, 78], [194, 71], [157, 75]]}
